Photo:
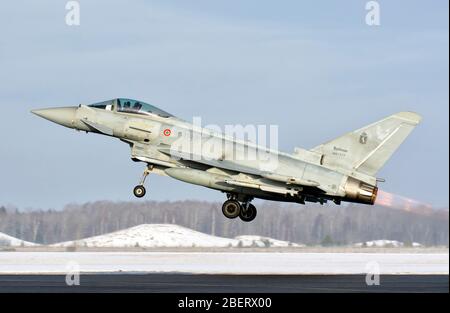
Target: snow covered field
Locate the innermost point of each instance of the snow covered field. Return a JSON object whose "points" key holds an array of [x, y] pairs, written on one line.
{"points": [[165, 236], [9, 241], [175, 236], [224, 262], [170, 236]]}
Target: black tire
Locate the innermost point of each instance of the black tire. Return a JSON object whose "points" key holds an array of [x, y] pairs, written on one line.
{"points": [[248, 214], [139, 191], [231, 208]]}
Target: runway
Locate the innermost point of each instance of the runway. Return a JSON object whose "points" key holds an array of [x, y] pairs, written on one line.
{"points": [[222, 272], [192, 283]]}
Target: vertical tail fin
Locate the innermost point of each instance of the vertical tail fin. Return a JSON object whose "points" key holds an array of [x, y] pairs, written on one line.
{"points": [[367, 149]]}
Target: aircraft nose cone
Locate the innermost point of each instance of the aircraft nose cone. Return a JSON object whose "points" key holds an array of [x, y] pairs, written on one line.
{"points": [[64, 116]]}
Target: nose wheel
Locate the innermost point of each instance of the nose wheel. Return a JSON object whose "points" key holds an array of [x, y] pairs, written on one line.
{"points": [[139, 191]]}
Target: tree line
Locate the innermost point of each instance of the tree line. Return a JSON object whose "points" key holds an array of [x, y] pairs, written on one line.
{"points": [[308, 224]]}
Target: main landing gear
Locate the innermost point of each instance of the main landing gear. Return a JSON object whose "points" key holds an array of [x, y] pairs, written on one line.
{"points": [[139, 191], [232, 208]]}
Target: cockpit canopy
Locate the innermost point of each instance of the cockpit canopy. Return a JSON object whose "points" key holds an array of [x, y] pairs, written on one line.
{"points": [[130, 106]]}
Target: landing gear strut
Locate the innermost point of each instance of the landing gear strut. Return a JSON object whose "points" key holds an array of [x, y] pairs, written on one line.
{"points": [[232, 208], [139, 191]]}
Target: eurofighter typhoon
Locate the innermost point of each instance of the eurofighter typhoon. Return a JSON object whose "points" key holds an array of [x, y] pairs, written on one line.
{"points": [[343, 169]]}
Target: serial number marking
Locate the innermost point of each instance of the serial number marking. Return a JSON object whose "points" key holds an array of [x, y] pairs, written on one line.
{"points": [[246, 302]]}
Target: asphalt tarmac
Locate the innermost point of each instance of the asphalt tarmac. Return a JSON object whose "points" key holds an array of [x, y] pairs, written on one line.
{"points": [[193, 283]]}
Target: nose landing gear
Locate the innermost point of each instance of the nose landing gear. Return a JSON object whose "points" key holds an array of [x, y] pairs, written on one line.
{"points": [[139, 191]]}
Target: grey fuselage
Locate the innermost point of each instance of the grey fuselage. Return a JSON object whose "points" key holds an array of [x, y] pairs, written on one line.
{"points": [[181, 150]]}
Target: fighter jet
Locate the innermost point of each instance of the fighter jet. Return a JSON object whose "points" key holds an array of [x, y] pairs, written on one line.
{"points": [[342, 169]]}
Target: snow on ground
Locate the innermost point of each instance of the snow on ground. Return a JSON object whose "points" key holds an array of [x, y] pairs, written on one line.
{"points": [[168, 235], [9, 241], [383, 243], [174, 236], [223, 262], [152, 235], [264, 242]]}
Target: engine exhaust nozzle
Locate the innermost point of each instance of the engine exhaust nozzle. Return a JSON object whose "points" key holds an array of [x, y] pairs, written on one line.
{"points": [[360, 192]]}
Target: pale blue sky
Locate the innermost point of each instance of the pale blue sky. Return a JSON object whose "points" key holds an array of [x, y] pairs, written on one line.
{"points": [[313, 68]]}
